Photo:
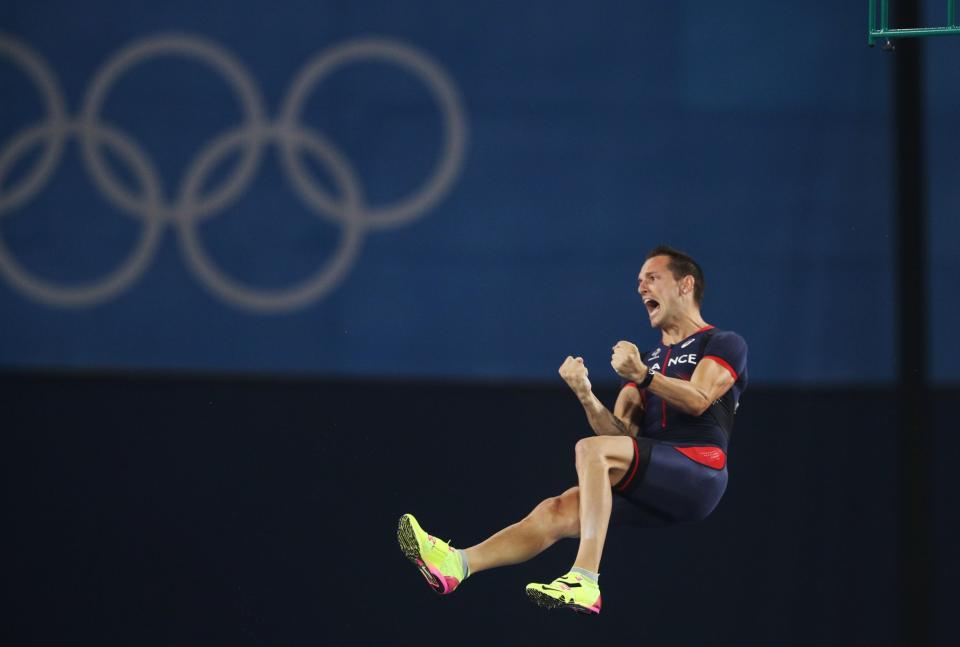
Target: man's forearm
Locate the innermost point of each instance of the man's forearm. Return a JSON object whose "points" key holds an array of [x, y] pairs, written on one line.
{"points": [[680, 394], [603, 422]]}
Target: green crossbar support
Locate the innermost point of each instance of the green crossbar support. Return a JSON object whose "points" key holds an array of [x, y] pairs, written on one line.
{"points": [[879, 24]]}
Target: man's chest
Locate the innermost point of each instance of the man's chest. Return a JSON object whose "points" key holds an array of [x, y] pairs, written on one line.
{"points": [[678, 360]]}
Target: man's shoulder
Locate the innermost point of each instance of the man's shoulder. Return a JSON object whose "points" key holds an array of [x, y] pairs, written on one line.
{"points": [[721, 333], [726, 337]]}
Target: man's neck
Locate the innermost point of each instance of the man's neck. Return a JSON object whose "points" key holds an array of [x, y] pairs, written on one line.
{"points": [[682, 327]]}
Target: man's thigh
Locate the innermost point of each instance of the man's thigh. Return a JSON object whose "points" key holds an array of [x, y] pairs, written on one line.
{"points": [[668, 487]]}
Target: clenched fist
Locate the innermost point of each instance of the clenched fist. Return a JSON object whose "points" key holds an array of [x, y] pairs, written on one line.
{"points": [[626, 361], [574, 373]]}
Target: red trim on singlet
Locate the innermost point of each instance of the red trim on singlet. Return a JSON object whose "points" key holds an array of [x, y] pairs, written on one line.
{"points": [[709, 456], [722, 362], [633, 384], [633, 468], [663, 403]]}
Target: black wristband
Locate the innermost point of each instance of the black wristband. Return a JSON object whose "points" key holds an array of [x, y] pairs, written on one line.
{"points": [[647, 380]]}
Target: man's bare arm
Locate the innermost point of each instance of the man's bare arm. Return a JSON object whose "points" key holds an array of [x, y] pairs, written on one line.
{"points": [[602, 421], [708, 383], [710, 380]]}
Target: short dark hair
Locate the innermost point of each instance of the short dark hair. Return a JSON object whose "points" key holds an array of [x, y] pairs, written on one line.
{"points": [[682, 265]]}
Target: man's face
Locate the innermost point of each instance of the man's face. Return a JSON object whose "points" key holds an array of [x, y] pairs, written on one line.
{"points": [[658, 289]]}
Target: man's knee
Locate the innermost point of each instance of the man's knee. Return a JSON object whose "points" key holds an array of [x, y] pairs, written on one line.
{"points": [[560, 514], [590, 450]]}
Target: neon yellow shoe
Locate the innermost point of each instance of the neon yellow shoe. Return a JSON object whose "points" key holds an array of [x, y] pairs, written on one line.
{"points": [[571, 591], [438, 561]]}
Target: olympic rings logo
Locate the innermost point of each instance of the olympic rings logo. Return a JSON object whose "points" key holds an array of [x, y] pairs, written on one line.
{"points": [[189, 205]]}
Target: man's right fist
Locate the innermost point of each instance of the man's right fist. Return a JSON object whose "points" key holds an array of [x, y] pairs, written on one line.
{"points": [[574, 373]]}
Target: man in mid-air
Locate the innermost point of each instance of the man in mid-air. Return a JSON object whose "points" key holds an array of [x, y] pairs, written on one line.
{"points": [[658, 459]]}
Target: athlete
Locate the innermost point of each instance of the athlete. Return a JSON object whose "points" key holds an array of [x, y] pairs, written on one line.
{"points": [[659, 458]]}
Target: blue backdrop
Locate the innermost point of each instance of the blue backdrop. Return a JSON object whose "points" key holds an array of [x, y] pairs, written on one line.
{"points": [[476, 184]]}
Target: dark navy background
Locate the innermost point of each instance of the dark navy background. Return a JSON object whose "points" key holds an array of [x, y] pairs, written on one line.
{"points": [[594, 133], [263, 512]]}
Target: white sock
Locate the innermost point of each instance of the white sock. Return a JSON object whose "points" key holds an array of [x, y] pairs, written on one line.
{"points": [[463, 562], [590, 575]]}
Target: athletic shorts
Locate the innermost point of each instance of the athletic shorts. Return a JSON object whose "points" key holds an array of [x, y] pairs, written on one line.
{"points": [[669, 484]]}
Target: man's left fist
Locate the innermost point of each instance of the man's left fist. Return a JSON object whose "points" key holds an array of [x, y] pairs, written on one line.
{"points": [[626, 361]]}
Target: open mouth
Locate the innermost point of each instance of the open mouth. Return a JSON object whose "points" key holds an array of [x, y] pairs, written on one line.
{"points": [[652, 306]]}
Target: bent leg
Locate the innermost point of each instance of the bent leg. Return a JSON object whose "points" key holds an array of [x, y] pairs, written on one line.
{"points": [[601, 462], [552, 520]]}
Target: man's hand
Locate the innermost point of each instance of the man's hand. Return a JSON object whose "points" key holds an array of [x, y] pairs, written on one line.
{"points": [[626, 361], [574, 373]]}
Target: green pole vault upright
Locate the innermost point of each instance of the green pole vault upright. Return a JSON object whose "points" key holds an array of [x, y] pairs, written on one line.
{"points": [[879, 24]]}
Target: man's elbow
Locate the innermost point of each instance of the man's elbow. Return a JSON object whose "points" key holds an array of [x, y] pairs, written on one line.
{"points": [[699, 406]]}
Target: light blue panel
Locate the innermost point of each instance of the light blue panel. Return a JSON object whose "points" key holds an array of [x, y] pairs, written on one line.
{"points": [[590, 135], [943, 172]]}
